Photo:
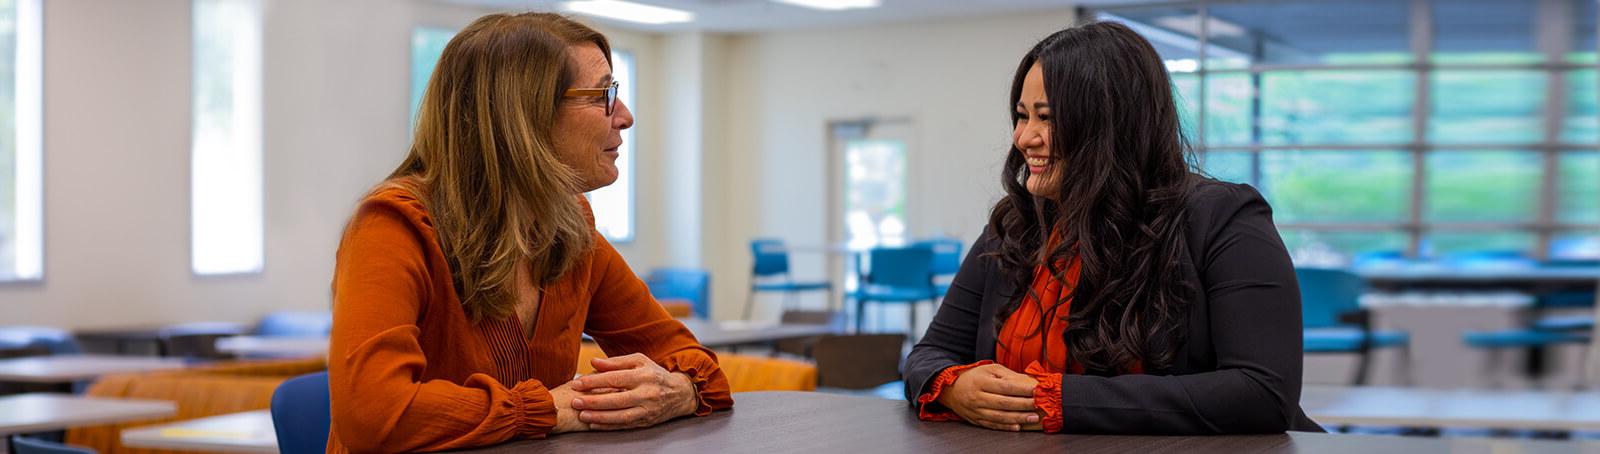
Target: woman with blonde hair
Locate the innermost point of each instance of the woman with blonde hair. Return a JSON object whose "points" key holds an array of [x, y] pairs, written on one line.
{"points": [[465, 279]]}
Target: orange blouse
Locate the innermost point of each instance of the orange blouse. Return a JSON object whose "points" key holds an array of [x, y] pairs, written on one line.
{"points": [[1024, 345], [409, 371]]}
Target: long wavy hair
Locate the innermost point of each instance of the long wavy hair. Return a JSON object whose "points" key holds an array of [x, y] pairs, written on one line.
{"points": [[483, 159], [1125, 174]]}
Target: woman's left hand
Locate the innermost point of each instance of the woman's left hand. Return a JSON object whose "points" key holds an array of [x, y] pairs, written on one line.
{"points": [[629, 392]]}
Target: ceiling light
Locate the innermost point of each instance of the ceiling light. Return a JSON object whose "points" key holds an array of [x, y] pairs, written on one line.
{"points": [[629, 11], [832, 5]]}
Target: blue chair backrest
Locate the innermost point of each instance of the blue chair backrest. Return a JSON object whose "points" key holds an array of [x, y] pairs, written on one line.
{"points": [[25, 445], [296, 324], [1494, 259], [1325, 294], [693, 285], [770, 257], [301, 414], [910, 266], [1391, 259], [946, 254], [55, 340]]}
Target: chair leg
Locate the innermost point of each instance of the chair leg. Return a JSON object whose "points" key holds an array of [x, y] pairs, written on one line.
{"points": [[911, 328], [859, 314], [749, 301], [1363, 360]]}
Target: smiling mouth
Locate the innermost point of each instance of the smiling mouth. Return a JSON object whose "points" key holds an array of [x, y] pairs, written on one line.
{"points": [[1038, 161]]}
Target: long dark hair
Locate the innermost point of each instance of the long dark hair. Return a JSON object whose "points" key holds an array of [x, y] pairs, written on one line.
{"points": [[1124, 178]]}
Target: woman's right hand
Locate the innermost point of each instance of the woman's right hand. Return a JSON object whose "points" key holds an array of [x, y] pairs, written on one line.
{"points": [[566, 417], [994, 397]]}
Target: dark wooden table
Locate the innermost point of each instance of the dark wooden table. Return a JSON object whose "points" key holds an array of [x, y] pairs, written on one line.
{"points": [[782, 422]]}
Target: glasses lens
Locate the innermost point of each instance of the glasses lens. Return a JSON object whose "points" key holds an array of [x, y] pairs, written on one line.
{"points": [[611, 98]]}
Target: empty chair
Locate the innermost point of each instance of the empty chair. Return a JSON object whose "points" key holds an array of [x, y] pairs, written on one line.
{"points": [[946, 260], [301, 414], [296, 324], [26, 445], [1490, 260], [687, 284], [55, 341], [1334, 321], [896, 275], [197, 341], [770, 261]]}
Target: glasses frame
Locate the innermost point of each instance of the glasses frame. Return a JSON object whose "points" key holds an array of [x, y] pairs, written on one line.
{"points": [[609, 93]]}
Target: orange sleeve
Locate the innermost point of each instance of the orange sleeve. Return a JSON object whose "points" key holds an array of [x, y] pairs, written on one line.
{"points": [[928, 408], [625, 319], [379, 404], [1047, 397]]}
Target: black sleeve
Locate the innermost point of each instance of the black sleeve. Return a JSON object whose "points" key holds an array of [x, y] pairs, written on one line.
{"points": [[952, 336], [1254, 316]]}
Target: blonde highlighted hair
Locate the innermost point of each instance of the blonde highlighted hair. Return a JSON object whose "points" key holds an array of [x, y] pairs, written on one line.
{"points": [[483, 159]]}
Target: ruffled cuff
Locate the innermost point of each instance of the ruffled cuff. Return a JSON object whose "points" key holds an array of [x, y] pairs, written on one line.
{"points": [[1047, 397], [710, 385], [536, 409], [928, 408]]}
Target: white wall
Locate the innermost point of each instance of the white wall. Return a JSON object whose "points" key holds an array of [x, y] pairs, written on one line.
{"points": [[117, 78], [730, 144], [949, 77]]}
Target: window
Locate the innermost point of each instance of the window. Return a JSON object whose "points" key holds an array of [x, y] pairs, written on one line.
{"points": [[226, 174], [21, 172], [427, 44], [1380, 127], [613, 205]]}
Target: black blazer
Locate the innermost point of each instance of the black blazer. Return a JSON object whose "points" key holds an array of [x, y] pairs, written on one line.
{"points": [[1239, 370]]}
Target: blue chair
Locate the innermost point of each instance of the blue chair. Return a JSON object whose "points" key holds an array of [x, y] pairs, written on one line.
{"points": [[296, 324], [689, 284], [25, 445], [896, 275], [1334, 321], [56, 341], [301, 414], [946, 260], [1490, 259], [771, 260]]}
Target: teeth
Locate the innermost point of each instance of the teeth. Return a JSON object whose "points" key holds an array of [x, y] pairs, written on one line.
{"points": [[1038, 162]]}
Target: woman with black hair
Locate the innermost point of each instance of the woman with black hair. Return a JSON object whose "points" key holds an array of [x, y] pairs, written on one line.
{"points": [[1114, 290]]}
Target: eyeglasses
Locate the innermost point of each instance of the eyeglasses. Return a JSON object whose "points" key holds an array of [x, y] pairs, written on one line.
{"points": [[610, 93]]}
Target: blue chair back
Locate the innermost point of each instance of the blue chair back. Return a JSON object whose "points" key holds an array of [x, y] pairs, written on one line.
{"points": [[1494, 259], [54, 340], [946, 254], [770, 257], [301, 414], [25, 445], [1387, 259], [296, 324], [909, 267], [1325, 294], [690, 284]]}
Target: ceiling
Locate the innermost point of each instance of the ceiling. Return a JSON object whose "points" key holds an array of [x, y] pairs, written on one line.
{"points": [[764, 15]]}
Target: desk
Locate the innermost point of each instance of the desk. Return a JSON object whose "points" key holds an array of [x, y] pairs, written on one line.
{"points": [[274, 347], [71, 368], [734, 333], [1533, 278], [250, 431], [783, 422], [40, 412], [1433, 408]]}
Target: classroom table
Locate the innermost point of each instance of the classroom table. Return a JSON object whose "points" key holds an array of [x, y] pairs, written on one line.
{"points": [[248, 432], [65, 369], [273, 346], [1447, 408], [42, 412], [736, 333]]}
